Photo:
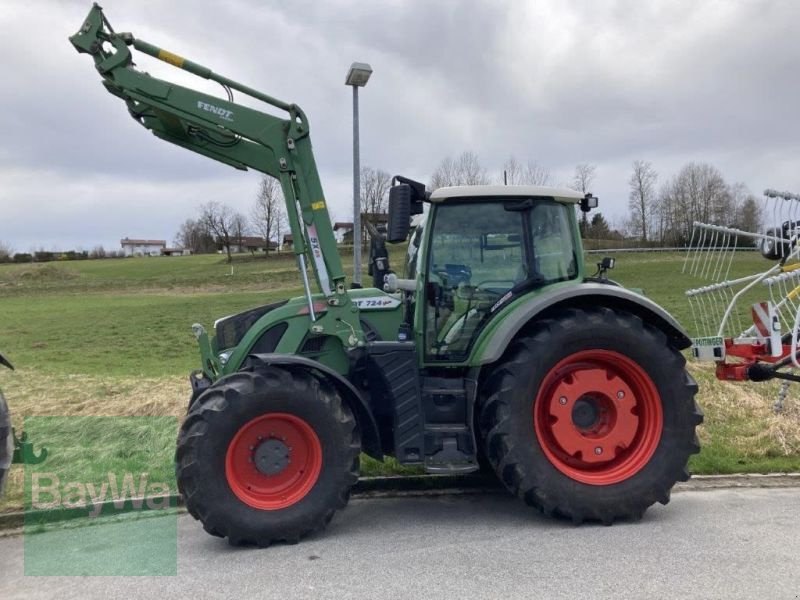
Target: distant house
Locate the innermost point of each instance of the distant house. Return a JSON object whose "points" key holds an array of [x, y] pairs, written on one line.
{"points": [[176, 252], [287, 243], [343, 232], [253, 244], [375, 218], [132, 247]]}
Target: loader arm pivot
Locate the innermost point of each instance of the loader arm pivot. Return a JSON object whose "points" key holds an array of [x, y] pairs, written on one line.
{"points": [[231, 133]]}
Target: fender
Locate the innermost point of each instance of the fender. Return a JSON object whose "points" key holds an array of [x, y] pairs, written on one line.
{"points": [[370, 437], [582, 295]]}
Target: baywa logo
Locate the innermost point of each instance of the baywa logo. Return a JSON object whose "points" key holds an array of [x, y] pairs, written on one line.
{"points": [[48, 492], [222, 113]]}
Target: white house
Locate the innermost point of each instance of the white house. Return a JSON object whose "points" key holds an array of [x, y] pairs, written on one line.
{"points": [[341, 231], [142, 247]]}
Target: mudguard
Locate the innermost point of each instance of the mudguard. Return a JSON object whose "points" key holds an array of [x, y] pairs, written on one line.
{"points": [[370, 436], [583, 295]]}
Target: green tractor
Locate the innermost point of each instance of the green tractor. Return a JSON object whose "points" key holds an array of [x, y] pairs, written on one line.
{"points": [[496, 350]]}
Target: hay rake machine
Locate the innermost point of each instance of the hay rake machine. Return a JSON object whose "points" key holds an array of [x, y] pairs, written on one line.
{"points": [[760, 344]]}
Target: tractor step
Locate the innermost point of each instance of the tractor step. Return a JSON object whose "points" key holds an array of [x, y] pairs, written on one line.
{"points": [[432, 416], [449, 441], [398, 373]]}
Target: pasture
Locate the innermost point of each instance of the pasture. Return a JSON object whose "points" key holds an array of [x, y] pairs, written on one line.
{"points": [[112, 338]]}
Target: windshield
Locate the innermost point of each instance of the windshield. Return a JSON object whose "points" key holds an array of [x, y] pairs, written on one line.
{"points": [[480, 255]]}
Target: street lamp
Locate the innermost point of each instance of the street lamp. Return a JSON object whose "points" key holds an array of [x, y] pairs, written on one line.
{"points": [[357, 77]]}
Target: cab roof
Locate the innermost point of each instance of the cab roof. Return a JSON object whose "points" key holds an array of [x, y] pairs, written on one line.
{"points": [[505, 191]]}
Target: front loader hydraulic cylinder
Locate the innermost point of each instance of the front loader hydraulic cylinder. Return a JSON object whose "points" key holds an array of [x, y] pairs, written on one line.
{"points": [[197, 69]]}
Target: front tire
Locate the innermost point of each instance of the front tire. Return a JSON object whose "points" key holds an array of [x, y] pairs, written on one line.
{"points": [[591, 416], [267, 456]]}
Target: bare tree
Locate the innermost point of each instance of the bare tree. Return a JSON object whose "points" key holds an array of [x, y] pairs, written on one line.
{"points": [[375, 185], [697, 193], [444, 175], [642, 196], [749, 210], [465, 169], [224, 223], [267, 215], [583, 177], [531, 173], [582, 180], [749, 215], [194, 235], [6, 252]]}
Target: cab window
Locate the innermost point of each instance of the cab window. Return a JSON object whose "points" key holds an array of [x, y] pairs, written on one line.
{"points": [[483, 252]]}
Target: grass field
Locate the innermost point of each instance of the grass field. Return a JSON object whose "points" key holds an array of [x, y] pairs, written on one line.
{"points": [[112, 337]]}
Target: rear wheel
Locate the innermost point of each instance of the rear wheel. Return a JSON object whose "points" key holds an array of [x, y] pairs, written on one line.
{"points": [[267, 456], [591, 416]]}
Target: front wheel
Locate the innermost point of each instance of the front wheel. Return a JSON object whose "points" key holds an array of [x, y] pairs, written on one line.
{"points": [[267, 456], [591, 416]]}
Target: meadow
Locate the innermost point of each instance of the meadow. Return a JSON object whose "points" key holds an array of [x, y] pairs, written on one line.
{"points": [[112, 338]]}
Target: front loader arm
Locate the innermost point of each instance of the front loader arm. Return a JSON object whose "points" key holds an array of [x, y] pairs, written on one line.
{"points": [[231, 133]]}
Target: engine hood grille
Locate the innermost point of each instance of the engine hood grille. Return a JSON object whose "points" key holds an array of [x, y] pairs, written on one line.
{"points": [[231, 330]]}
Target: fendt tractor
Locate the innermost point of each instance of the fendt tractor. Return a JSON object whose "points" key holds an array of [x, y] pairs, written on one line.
{"points": [[497, 348]]}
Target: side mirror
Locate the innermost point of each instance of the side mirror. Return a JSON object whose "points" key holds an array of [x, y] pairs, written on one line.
{"points": [[399, 213], [405, 199], [588, 202]]}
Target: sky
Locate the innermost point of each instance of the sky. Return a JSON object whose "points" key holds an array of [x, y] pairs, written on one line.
{"points": [[560, 82]]}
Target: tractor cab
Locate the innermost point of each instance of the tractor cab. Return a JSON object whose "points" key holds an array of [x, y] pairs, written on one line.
{"points": [[486, 246], [479, 248]]}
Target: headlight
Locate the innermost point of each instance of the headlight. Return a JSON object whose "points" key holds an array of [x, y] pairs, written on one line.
{"points": [[224, 356]]}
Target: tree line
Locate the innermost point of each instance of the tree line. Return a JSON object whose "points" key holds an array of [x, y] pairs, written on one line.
{"points": [[698, 192], [657, 214], [8, 255], [219, 227]]}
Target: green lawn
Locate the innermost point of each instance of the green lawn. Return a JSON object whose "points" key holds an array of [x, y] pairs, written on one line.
{"points": [[112, 337]]}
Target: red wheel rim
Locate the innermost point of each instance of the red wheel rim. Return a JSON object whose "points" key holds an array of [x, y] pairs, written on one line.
{"points": [[598, 417], [273, 461]]}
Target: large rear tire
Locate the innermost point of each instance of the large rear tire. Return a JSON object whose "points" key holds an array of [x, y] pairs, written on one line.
{"points": [[267, 456], [590, 416]]}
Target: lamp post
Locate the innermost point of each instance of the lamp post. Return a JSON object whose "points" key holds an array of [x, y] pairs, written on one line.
{"points": [[357, 77]]}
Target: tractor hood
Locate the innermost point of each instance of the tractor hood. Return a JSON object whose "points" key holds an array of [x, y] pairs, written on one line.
{"points": [[230, 330]]}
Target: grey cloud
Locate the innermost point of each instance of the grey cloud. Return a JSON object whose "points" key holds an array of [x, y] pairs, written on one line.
{"points": [[559, 82]]}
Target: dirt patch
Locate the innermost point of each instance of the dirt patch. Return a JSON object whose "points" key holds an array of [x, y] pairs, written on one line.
{"points": [[41, 274], [31, 393]]}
